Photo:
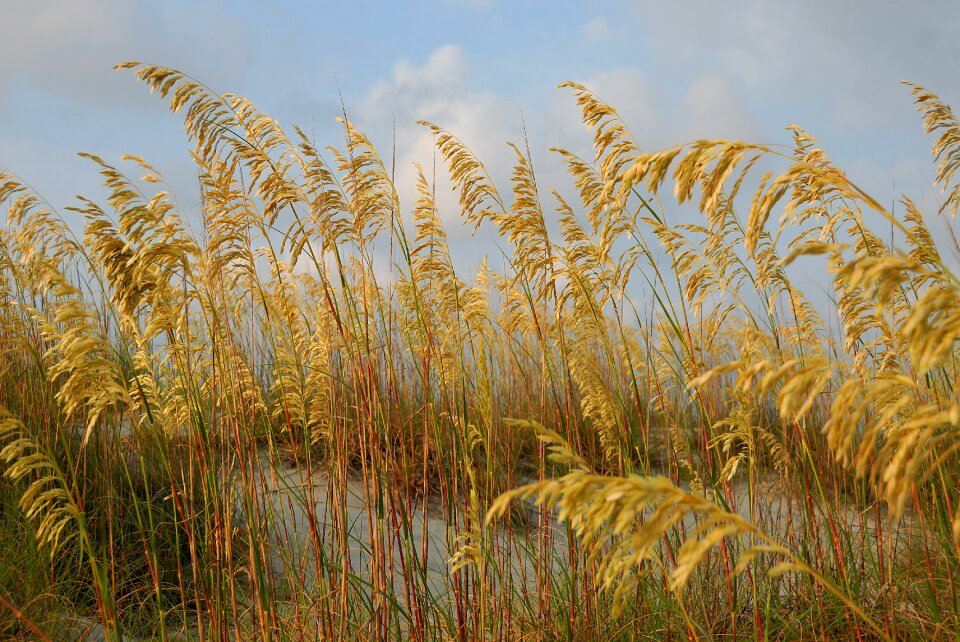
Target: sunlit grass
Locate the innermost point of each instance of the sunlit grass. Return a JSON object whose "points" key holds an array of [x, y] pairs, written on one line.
{"points": [[639, 430]]}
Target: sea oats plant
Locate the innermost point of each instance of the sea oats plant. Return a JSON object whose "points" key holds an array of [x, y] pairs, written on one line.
{"points": [[636, 427]]}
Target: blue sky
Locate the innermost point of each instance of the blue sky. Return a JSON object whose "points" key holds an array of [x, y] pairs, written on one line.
{"points": [[676, 70]]}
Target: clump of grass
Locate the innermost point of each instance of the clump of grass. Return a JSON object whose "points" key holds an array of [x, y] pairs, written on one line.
{"points": [[254, 433]]}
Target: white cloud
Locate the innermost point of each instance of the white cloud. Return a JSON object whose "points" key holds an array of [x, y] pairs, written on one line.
{"points": [[437, 91], [440, 89], [847, 56], [597, 30], [69, 48], [711, 108], [440, 76]]}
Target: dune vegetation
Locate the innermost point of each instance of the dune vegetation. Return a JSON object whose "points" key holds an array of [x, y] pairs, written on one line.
{"points": [[292, 418]]}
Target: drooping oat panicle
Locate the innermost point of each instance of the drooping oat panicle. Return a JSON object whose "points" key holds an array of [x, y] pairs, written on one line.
{"points": [[47, 498], [939, 120], [479, 198]]}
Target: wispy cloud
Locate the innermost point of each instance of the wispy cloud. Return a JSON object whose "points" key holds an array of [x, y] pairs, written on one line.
{"points": [[69, 48], [437, 90], [597, 30]]}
